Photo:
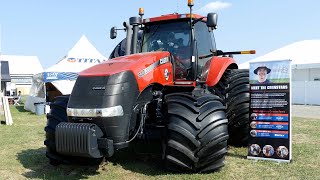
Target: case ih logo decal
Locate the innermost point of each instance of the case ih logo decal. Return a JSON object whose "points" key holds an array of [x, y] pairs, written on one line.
{"points": [[166, 74], [153, 66], [164, 60]]}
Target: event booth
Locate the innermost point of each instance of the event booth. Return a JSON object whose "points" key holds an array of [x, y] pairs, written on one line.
{"points": [[59, 79]]}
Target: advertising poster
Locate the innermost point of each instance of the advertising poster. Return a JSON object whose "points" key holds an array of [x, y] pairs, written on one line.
{"points": [[270, 111]]}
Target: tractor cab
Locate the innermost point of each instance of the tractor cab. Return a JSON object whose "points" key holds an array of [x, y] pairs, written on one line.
{"points": [[174, 33], [188, 37]]}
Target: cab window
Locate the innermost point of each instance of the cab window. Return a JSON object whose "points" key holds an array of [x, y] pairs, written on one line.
{"points": [[204, 44]]}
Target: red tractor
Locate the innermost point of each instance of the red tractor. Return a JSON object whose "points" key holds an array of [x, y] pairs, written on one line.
{"points": [[166, 81]]}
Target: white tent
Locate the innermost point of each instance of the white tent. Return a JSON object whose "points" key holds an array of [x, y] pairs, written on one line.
{"points": [[303, 54], [60, 78], [305, 69], [21, 77]]}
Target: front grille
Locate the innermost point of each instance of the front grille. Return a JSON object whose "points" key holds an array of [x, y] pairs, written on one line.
{"points": [[94, 92]]}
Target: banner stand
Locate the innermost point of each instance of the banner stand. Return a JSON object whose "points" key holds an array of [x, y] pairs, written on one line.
{"points": [[270, 135], [265, 159]]}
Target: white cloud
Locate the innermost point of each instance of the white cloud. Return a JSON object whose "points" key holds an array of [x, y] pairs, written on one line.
{"points": [[213, 7]]}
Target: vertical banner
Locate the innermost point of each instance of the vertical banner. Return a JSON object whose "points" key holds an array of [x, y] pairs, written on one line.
{"points": [[270, 111]]}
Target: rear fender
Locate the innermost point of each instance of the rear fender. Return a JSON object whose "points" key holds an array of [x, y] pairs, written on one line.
{"points": [[218, 66]]}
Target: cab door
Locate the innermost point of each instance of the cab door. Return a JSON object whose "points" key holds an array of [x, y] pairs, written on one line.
{"points": [[205, 46]]}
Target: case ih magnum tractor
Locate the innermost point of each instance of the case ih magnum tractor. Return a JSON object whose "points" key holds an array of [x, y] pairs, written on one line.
{"points": [[172, 85]]}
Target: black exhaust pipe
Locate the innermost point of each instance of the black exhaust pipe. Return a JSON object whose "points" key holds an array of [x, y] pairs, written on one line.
{"points": [[135, 22], [129, 37]]}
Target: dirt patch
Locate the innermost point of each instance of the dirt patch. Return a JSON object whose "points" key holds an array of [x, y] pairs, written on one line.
{"points": [[6, 174], [306, 111]]}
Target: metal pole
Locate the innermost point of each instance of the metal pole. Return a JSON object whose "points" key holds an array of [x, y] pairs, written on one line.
{"points": [[0, 58], [305, 92], [1, 95]]}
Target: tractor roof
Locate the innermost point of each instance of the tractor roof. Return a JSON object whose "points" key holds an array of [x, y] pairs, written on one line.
{"points": [[171, 17]]}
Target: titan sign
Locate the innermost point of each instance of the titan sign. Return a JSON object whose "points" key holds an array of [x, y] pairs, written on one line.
{"points": [[84, 60]]}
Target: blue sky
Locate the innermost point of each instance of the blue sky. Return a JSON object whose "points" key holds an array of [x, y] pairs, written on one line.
{"points": [[50, 29]]}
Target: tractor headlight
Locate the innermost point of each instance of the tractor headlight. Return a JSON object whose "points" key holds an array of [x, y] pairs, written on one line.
{"points": [[99, 112]]}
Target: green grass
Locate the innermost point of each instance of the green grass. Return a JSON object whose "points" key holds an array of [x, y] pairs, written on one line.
{"points": [[282, 80], [22, 156]]}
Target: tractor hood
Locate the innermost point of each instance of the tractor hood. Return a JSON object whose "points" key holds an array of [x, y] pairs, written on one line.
{"points": [[135, 63]]}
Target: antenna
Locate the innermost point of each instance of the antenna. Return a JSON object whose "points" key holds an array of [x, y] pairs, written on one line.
{"points": [[0, 63], [177, 6], [0, 38]]}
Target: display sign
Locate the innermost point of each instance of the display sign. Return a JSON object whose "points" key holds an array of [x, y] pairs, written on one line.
{"points": [[270, 111], [53, 76]]}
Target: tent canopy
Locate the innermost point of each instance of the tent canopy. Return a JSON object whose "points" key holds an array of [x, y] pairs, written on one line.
{"points": [[19, 63], [63, 74], [82, 56], [303, 54]]}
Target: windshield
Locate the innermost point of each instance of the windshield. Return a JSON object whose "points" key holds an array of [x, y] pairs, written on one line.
{"points": [[173, 37], [166, 37]]}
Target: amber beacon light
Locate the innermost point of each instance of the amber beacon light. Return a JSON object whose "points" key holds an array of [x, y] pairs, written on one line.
{"points": [[190, 3], [141, 11]]}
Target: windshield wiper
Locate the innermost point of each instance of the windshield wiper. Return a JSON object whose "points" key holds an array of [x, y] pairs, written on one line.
{"points": [[197, 20]]}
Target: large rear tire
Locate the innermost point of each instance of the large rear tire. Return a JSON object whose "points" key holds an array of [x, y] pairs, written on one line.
{"points": [[197, 133], [234, 89]]}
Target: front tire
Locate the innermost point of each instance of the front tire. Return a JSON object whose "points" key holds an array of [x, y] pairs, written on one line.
{"points": [[57, 115], [197, 133]]}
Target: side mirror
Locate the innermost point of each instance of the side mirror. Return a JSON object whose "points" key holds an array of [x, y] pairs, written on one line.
{"points": [[212, 19], [113, 32]]}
